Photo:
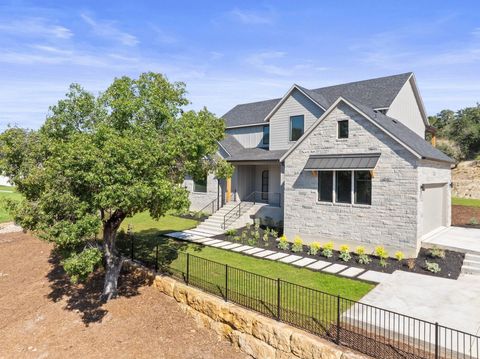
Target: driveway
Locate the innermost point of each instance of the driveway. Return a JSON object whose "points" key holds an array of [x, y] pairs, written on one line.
{"points": [[466, 240]]}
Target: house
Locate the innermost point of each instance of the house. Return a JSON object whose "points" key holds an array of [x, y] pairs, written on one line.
{"points": [[347, 163]]}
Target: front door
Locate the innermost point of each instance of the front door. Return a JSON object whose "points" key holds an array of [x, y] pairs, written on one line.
{"points": [[265, 185]]}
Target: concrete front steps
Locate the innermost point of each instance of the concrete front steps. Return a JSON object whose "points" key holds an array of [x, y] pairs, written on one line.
{"points": [[471, 264]]}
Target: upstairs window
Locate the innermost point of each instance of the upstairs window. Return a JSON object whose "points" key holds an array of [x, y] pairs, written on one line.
{"points": [[296, 127], [200, 185], [266, 135], [342, 129]]}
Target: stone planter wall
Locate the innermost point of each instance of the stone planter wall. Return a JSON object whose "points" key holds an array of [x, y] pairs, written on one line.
{"points": [[254, 334]]}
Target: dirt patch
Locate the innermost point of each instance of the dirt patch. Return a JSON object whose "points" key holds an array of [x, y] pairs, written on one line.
{"points": [[465, 180], [466, 216], [43, 316]]}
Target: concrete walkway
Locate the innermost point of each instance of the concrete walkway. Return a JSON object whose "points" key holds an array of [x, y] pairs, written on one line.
{"points": [[460, 239], [452, 303]]}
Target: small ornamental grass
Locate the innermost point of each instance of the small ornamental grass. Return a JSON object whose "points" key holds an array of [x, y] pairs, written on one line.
{"points": [[283, 243], [327, 250], [297, 244], [345, 253], [314, 248]]}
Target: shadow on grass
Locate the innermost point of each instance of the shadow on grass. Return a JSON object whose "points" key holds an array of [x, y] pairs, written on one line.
{"points": [[84, 298]]}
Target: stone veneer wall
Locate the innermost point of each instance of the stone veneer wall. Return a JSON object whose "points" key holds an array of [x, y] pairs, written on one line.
{"points": [[258, 336], [198, 200], [391, 219]]}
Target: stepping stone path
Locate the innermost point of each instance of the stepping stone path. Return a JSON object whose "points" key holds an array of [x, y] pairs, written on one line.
{"points": [[344, 270]]}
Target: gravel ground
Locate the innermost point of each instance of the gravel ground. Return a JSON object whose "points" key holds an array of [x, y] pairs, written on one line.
{"points": [[43, 316]]}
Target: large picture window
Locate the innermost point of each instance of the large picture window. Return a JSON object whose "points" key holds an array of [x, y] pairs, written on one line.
{"points": [[336, 186], [343, 186], [296, 127], [363, 187], [200, 185], [325, 186]]}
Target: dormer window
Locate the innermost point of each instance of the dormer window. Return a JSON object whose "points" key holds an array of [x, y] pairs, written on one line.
{"points": [[342, 129], [296, 127], [266, 136]]}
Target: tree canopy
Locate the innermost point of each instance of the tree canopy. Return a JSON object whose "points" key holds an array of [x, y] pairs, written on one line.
{"points": [[99, 159]]}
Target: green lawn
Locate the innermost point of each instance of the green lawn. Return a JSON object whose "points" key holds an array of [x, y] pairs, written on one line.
{"points": [[469, 202], [7, 192]]}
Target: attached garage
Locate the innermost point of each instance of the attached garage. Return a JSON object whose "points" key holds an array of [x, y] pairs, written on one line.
{"points": [[435, 211]]}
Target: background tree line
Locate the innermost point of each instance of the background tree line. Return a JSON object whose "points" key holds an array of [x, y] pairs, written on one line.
{"points": [[458, 133]]}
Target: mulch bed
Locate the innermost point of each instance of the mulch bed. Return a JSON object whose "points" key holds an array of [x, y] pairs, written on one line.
{"points": [[466, 216], [450, 266]]}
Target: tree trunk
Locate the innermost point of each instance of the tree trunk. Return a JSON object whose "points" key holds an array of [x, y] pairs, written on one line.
{"points": [[113, 262]]}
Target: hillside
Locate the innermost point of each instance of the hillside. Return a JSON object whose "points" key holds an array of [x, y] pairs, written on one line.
{"points": [[466, 180]]}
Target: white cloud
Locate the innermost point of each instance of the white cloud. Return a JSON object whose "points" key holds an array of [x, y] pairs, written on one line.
{"points": [[251, 17], [109, 30], [35, 27], [162, 36]]}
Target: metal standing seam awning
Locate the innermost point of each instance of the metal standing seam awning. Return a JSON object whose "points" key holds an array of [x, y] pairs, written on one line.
{"points": [[360, 161]]}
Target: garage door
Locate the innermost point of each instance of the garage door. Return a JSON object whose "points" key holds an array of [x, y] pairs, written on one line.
{"points": [[434, 211]]}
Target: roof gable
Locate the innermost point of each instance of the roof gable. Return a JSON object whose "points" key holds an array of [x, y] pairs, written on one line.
{"points": [[375, 93]]}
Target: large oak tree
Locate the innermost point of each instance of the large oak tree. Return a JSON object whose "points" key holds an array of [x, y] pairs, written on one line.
{"points": [[99, 159]]}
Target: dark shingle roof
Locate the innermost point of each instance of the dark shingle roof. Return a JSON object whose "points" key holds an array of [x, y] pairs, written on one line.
{"points": [[404, 134], [239, 153], [374, 93]]}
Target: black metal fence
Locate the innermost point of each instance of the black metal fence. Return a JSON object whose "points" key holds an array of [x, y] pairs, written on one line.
{"points": [[374, 331]]}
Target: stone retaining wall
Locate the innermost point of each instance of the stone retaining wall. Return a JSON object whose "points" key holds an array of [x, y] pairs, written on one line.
{"points": [[254, 334]]}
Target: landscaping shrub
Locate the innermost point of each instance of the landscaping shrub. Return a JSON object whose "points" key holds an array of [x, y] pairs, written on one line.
{"points": [[399, 255], [411, 263], [297, 244], [327, 250], [252, 242], [364, 259], [381, 252], [248, 225], [230, 232], [237, 238], [314, 248], [383, 262], [256, 226], [244, 236], [360, 250], [345, 253], [436, 252], [283, 243], [265, 238], [274, 233], [432, 267]]}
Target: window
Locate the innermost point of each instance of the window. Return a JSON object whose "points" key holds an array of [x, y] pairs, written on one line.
{"points": [[296, 127], [266, 135], [343, 129], [200, 185], [325, 186], [343, 186], [363, 187], [265, 185]]}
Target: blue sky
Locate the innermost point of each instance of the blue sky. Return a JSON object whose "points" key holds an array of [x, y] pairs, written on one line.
{"points": [[234, 52]]}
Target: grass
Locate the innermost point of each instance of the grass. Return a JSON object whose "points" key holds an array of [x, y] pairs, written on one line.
{"points": [[7, 192], [143, 224], [469, 202]]}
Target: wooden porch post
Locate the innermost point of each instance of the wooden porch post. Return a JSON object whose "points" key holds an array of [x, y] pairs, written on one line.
{"points": [[229, 189]]}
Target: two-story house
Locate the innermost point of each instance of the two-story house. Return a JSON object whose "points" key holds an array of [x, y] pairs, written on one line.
{"points": [[347, 163]]}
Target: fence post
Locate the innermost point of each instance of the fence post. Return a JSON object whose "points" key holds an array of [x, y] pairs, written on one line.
{"points": [[188, 268], [279, 295], [156, 259], [337, 340], [226, 282], [436, 341]]}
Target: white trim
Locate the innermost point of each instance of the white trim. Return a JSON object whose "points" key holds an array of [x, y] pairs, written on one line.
{"points": [[284, 98], [327, 112], [251, 125]]}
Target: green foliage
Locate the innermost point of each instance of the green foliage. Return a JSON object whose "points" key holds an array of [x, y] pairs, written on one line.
{"points": [[381, 252], [364, 259], [314, 248], [283, 243], [265, 237], [230, 232], [345, 253], [461, 128], [274, 233], [237, 238], [383, 263], [252, 242], [248, 225], [256, 226], [473, 221], [79, 265], [244, 236], [399, 255], [100, 159], [327, 250], [432, 267], [436, 252], [256, 235], [297, 245]]}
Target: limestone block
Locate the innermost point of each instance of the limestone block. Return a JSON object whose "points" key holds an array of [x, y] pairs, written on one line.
{"points": [[276, 334], [309, 347], [254, 347], [165, 285]]}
